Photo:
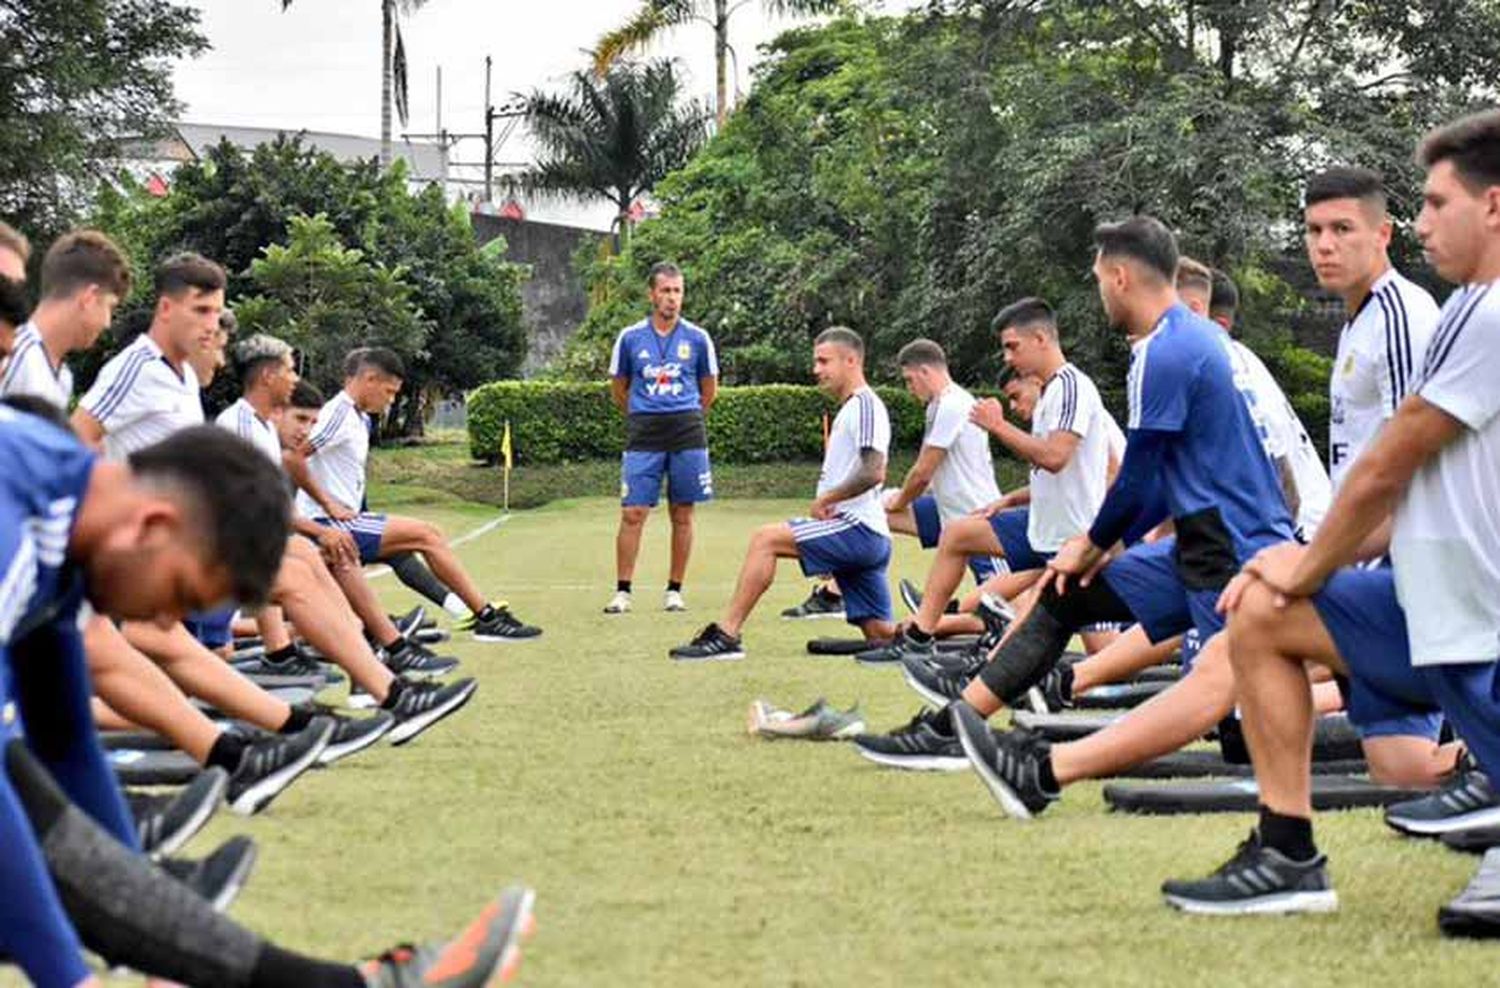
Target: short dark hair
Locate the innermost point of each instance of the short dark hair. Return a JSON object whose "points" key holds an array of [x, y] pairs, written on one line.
{"points": [[82, 258], [306, 395], [1017, 377], [1346, 182], [1225, 298], [241, 496], [921, 353], [1193, 274], [379, 358], [14, 240], [188, 270], [1471, 143], [14, 306], [1027, 312], [1141, 238], [229, 323], [841, 336], [41, 408], [662, 269]]}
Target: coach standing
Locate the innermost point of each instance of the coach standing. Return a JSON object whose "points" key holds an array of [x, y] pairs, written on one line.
{"points": [[663, 376]]}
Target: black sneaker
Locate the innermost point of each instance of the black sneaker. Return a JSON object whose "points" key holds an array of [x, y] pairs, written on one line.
{"points": [[414, 620], [1472, 840], [912, 598], [268, 766], [965, 664], [936, 685], [1468, 801], [1475, 912], [299, 666], [899, 649], [711, 645], [420, 705], [219, 877], [821, 603], [997, 615], [413, 660], [923, 744], [165, 823], [354, 734], [1010, 770], [1053, 693], [498, 624], [1258, 879]]}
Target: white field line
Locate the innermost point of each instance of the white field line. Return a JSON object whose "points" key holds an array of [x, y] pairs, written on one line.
{"points": [[470, 536]]}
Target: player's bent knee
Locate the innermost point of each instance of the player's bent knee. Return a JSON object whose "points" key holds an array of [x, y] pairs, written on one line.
{"points": [[1404, 762]]}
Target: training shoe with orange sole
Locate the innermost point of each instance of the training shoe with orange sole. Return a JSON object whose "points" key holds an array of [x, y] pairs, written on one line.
{"points": [[487, 953]]}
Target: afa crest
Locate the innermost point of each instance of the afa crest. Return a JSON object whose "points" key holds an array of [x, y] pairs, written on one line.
{"points": [[684, 351]]}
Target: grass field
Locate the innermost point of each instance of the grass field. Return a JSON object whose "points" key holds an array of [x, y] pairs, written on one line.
{"points": [[668, 848]]}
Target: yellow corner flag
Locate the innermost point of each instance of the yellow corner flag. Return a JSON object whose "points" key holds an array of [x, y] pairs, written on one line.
{"points": [[505, 446]]}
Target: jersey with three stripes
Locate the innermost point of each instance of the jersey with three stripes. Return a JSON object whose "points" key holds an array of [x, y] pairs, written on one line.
{"points": [[140, 398], [862, 423], [243, 420], [1445, 545], [1379, 355], [30, 371], [337, 448], [1063, 504]]}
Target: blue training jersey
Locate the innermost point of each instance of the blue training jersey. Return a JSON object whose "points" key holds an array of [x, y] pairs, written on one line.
{"points": [[44, 471], [663, 370], [1216, 478]]}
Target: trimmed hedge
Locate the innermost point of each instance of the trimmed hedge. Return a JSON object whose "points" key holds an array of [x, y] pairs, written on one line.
{"points": [[558, 422]]}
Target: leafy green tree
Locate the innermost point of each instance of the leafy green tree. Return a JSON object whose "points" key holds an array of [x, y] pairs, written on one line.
{"points": [[326, 299], [613, 138], [75, 79], [655, 17]]}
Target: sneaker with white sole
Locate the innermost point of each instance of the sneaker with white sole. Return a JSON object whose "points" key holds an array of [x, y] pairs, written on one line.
{"points": [[218, 878], [1468, 801], [619, 603], [1475, 913], [419, 706], [1257, 880], [923, 744], [712, 644], [270, 765], [672, 601]]}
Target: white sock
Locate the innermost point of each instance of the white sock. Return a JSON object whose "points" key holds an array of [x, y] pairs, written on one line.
{"points": [[453, 605]]}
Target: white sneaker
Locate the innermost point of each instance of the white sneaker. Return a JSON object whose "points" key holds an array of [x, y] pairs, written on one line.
{"points": [[673, 601], [619, 603]]}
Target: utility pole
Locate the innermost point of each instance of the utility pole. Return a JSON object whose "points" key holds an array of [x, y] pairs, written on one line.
{"points": [[489, 136], [442, 134]]}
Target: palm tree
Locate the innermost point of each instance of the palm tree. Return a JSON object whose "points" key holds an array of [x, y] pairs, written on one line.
{"points": [[656, 16], [392, 68], [610, 138]]}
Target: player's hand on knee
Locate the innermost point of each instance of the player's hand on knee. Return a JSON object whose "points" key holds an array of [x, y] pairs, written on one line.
{"points": [[1229, 600], [1276, 566], [339, 512]]}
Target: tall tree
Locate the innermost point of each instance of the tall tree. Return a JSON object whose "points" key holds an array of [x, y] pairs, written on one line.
{"points": [[393, 81], [612, 138], [75, 79], [657, 16]]}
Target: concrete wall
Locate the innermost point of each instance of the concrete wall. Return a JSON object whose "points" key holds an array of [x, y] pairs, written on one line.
{"points": [[553, 299]]}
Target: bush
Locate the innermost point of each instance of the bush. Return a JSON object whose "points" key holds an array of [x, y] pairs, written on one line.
{"points": [[556, 422]]}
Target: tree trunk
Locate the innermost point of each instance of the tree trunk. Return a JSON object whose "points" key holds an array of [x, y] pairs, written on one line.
{"points": [[721, 61], [387, 41]]}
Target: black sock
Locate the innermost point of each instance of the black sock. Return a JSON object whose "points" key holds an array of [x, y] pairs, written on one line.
{"points": [[1045, 777], [622, 586], [674, 586], [397, 686], [286, 654], [1065, 680], [485, 613], [917, 635], [830, 592], [395, 643], [277, 968], [1291, 835], [297, 719], [941, 721], [227, 752]]}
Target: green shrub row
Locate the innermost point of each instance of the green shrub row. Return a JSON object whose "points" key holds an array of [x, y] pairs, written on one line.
{"points": [[559, 422]]}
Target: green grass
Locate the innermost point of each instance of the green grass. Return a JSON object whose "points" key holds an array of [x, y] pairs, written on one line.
{"points": [[668, 848]]}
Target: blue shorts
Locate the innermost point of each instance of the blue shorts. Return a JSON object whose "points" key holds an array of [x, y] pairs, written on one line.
{"points": [[1010, 531], [1387, 694], [1146, 579], [690, 479], [367, 529], [930, 528], [853, 555], [213, 629]]}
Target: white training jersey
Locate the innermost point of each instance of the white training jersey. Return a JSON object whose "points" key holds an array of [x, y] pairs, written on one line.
{"points": [[142, 399], [1379, 355], [965, 480], [1285, 436], [1116, 437], [862, 423], [337, 450], [1445, 544], [244, 421], [30, 371], [1064, 503]]}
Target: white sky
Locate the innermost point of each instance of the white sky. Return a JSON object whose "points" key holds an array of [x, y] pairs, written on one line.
{"points": [[317, 66]]}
